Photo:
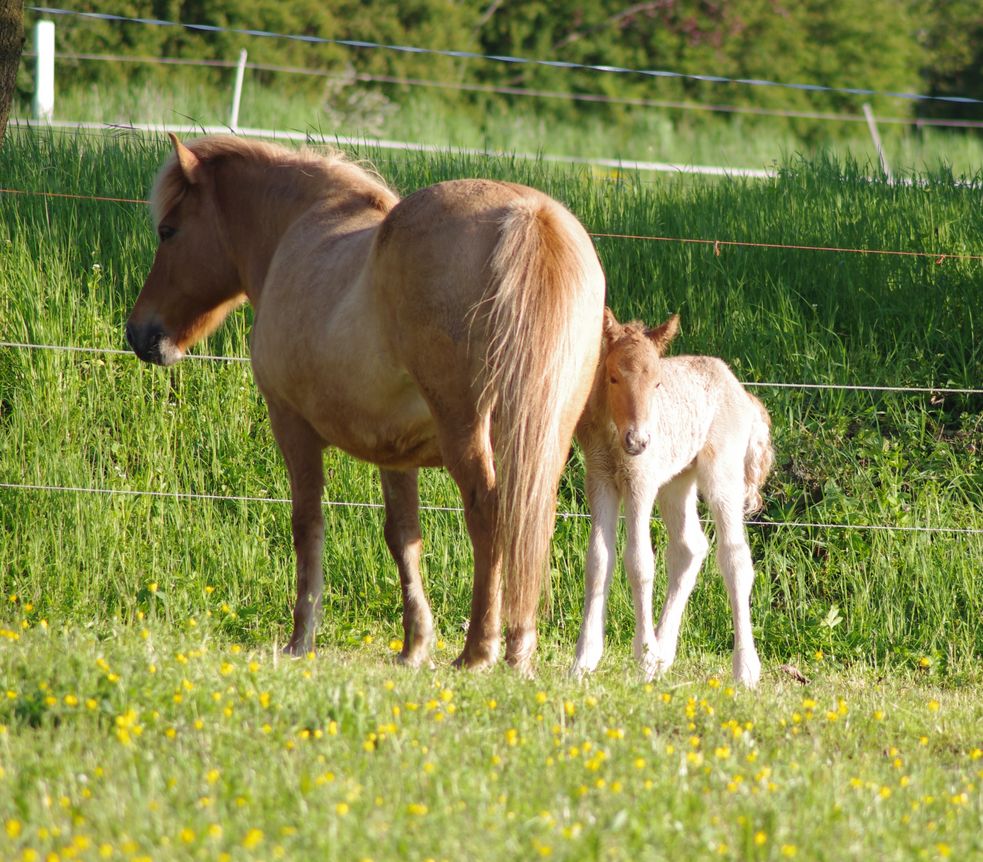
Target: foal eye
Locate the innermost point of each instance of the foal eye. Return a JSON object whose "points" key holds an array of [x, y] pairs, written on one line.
{"points": [[165, 231]]}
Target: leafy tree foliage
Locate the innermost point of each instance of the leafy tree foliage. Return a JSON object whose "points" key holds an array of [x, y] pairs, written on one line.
{"points": [[884, 45]]}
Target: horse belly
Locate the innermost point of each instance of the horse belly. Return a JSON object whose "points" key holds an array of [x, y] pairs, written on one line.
{"points": [[396, 434]]}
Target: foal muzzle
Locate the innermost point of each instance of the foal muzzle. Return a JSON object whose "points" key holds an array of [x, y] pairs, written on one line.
{"points": [[635, 441]]}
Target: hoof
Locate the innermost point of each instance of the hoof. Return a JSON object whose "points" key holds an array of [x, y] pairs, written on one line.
{"points": [[524, 667], [298, 650], [654, 664], [415, 660], [416, 650], [747, 668], [579, 671], [476, 659]]}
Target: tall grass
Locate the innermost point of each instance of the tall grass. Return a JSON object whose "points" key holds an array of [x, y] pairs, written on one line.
{"points": [[71, 269], [524, 125]]}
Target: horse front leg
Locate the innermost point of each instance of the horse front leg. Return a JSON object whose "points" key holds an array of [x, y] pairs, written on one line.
{"points": [[302, 451], [401, 493], [598, 570]]}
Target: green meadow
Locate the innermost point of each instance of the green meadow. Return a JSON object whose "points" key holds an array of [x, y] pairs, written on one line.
{"points": [[146, 569], [525, 125]]}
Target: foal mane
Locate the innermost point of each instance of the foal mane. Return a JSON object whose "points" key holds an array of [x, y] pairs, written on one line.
{"points": [[308, 168]]}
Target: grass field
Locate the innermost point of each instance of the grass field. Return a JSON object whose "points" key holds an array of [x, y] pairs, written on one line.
{"points": [[524, 126], [144, 712]]}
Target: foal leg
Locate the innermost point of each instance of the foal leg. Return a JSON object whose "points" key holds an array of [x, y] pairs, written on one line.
{"points": [[599, 567], [402, 531], [726, 500], [302, 451], [685, 552], [640, 567]]}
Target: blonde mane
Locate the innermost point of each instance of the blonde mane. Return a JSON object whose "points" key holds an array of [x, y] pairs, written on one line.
{"points": [[310, 167]]}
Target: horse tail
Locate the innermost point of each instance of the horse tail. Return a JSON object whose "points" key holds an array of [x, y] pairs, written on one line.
{"points": [[544, 331], [759, 456]]}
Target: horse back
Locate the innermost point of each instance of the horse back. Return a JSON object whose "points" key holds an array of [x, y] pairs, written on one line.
{"points": [[432, 263]]}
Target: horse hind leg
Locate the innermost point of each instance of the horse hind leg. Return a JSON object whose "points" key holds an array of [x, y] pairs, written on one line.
{"points": [[685, 552], [302, 451], [402, 531], [467, 454], [724, 492]]}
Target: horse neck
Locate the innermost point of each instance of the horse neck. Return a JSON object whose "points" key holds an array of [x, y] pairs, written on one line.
{"points": [[260, 204]]}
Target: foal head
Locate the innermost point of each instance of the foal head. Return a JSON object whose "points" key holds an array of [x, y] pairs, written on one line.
{"points": [[193, 282], [631, 374]]}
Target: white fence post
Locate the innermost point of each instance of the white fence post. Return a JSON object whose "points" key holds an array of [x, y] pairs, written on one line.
{"points": [[44, 84], [872, 128], [237, 92]]}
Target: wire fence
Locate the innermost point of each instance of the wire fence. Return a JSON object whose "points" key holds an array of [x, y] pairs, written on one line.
{"points": [[934, 391], [716, 244], [500, 58], [524, 92], [939, 257], [457, 510], [619, 165]]}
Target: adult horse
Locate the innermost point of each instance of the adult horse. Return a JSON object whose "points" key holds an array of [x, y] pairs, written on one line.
{"points": [[458, 327]]}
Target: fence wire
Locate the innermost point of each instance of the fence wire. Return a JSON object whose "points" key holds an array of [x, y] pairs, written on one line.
{"points": [[456, 510], [503, 58], [525, 92], [847, 387]]}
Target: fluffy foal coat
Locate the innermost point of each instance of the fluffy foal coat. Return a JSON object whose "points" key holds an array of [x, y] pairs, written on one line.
{"points": [[664, 429]]}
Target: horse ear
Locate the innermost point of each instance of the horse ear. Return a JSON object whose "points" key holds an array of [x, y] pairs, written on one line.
{"points": [[611, 324], [189, 162], [661, 335]]}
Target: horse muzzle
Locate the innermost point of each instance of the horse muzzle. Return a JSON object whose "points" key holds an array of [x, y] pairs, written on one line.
{"points": [[152, 344], [635, 441]]}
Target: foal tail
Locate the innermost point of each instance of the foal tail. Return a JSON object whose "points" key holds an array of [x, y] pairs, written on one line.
{"points": [[544, 329], [758, 458]]}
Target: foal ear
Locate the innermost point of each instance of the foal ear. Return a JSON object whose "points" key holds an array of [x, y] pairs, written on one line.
{"points": [[189, 162], [661, 335], [611, 325]]}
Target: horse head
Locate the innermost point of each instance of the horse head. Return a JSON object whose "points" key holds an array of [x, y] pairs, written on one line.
{"points": [[194, 281], [631, 374]]}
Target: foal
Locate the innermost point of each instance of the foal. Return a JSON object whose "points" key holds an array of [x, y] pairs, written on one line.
{"points": [[664, 429]]}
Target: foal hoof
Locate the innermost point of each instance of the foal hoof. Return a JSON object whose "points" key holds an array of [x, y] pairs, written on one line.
{"points": [[578, 671], [747, 668], [653, 665]]}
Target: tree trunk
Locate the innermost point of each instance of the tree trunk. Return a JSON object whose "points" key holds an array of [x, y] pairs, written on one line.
{"points": [[11, 46]]}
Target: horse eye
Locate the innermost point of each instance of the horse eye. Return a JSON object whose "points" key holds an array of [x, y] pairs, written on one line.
{"points": [[614, 379], [165, 231]]}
